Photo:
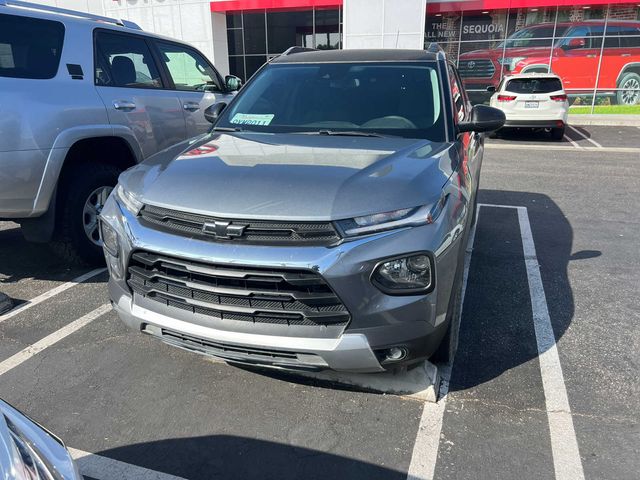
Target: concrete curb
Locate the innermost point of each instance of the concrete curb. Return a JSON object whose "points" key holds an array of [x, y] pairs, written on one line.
{"points": [[605, 119], [6, 303], [420, 383]]}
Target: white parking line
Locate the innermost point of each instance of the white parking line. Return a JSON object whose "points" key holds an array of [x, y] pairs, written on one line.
{"points": [[425, 448], [104, 468], [558, 148], [564, 444], [579, 147], [50, 293], [28, 352], [585, 137]]}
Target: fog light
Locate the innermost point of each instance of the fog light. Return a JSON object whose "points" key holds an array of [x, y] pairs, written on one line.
{"points": [[392, 354], [411, 274], [395, 354]]}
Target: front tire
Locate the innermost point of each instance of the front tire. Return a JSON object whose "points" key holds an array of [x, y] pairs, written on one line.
{"points": [[82, 197], [629, 93]]}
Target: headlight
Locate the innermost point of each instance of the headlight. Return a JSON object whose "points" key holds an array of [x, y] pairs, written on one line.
{"points": [[405, 217], [406, 275], [110, 240], [31, 452], [128, 199], [510, 62], [111, 245]]}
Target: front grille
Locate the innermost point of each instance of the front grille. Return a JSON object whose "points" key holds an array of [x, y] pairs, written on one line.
{"points": [[238, 353], [286, 297], [477, 68], [245, 231]]}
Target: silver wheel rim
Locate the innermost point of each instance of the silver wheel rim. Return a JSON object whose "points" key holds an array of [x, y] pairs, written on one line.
{"points": [[91, 211], [631, 91]]}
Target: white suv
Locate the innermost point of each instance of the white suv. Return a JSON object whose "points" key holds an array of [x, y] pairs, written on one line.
{"points": [[82, 98], [533, 100]]}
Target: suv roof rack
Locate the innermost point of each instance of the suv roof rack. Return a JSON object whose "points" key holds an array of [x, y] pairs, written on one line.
{"points": [[73, 13], [292, 50]]}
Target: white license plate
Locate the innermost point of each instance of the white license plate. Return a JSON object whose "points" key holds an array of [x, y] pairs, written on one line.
{"points": [[531, 104]]}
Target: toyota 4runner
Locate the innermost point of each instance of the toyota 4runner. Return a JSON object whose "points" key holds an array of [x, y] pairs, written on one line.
{"points": [[82, 98]]}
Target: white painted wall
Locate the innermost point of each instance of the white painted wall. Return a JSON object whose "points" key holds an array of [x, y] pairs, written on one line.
{"points": [[91, 6], [188, 20], [384, 23]]}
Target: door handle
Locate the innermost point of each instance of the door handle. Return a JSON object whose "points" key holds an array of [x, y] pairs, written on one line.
{"points": [[625, 55], [191, 106], [124, 105], [591, 56]]}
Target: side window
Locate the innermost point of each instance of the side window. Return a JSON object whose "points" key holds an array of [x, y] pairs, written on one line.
{"points": [[124, 61], [457, 95], [189, 70], [29, 47]]}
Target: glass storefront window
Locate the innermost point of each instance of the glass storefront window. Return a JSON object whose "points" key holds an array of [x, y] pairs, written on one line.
{"points": [[254, 37], [327, 29], [254, 33], [285, 29], [595, 49]]}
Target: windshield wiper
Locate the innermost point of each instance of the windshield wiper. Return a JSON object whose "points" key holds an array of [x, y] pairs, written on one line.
{"points": [[227, 129], [346, 133]]}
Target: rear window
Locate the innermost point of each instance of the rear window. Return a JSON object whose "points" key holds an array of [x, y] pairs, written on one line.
{"points": [[534, 85], [29, 47]]}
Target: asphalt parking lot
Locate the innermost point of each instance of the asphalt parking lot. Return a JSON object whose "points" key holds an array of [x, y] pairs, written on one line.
{"points": [[544, 383]]}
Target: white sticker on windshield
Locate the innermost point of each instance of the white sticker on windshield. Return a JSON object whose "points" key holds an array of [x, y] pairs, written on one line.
{"points": [[252, 118]]}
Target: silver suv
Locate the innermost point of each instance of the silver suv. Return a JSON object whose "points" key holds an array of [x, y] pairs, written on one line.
{"points": [[82, 98], [321, 224]]}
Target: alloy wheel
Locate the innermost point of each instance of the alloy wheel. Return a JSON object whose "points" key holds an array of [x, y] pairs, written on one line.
{"points": [[92, 208], [631, 91]]}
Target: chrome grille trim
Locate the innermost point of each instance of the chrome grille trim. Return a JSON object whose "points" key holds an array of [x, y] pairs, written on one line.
{"points": [[476, 68], [253, 231]]}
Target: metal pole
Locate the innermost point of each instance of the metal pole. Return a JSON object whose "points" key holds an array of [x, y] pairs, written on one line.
{"points": [[604, 33]]}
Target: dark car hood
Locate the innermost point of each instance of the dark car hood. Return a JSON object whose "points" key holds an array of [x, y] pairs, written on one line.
{"points": [[293, 176]]}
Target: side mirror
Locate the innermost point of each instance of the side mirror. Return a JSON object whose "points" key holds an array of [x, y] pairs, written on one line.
{"points": [[574, 43], [491, 89], [212, 112], [483, 119], [232, 83]]}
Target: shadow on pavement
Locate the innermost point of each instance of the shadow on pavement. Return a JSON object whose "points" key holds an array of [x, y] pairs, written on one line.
{"points": [[527, 135], [230, 457], [497, 331], [20, 260]]}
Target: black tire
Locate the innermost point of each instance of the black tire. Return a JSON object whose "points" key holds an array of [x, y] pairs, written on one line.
{"points": [[557, 133], [631, 96], [70, 240]]}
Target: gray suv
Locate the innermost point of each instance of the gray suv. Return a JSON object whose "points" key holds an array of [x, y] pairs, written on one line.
{"points": [[321, 224], [83, 98]]}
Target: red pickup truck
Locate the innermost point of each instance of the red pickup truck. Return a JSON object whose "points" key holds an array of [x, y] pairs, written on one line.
{"points": [[575, 57]]}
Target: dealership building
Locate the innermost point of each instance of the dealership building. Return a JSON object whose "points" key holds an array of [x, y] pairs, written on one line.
{"points": [[593, 45]]}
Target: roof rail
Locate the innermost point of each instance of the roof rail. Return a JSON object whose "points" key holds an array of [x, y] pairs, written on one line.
{"points": [[292, 50], [74, 13]]}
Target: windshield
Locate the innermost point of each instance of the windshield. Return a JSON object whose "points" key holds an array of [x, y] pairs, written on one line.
{"points": [[534, 37], [534, 85], [399, 99]]}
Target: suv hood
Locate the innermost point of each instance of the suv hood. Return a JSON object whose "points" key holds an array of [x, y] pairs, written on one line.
{"points": [[293, 176]]}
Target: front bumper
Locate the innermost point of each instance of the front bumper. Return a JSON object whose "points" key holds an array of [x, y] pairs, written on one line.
{"points": [[378, 321]]}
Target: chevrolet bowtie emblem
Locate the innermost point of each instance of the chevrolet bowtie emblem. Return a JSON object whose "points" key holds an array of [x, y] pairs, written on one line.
{"points": [[223, 230]]}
